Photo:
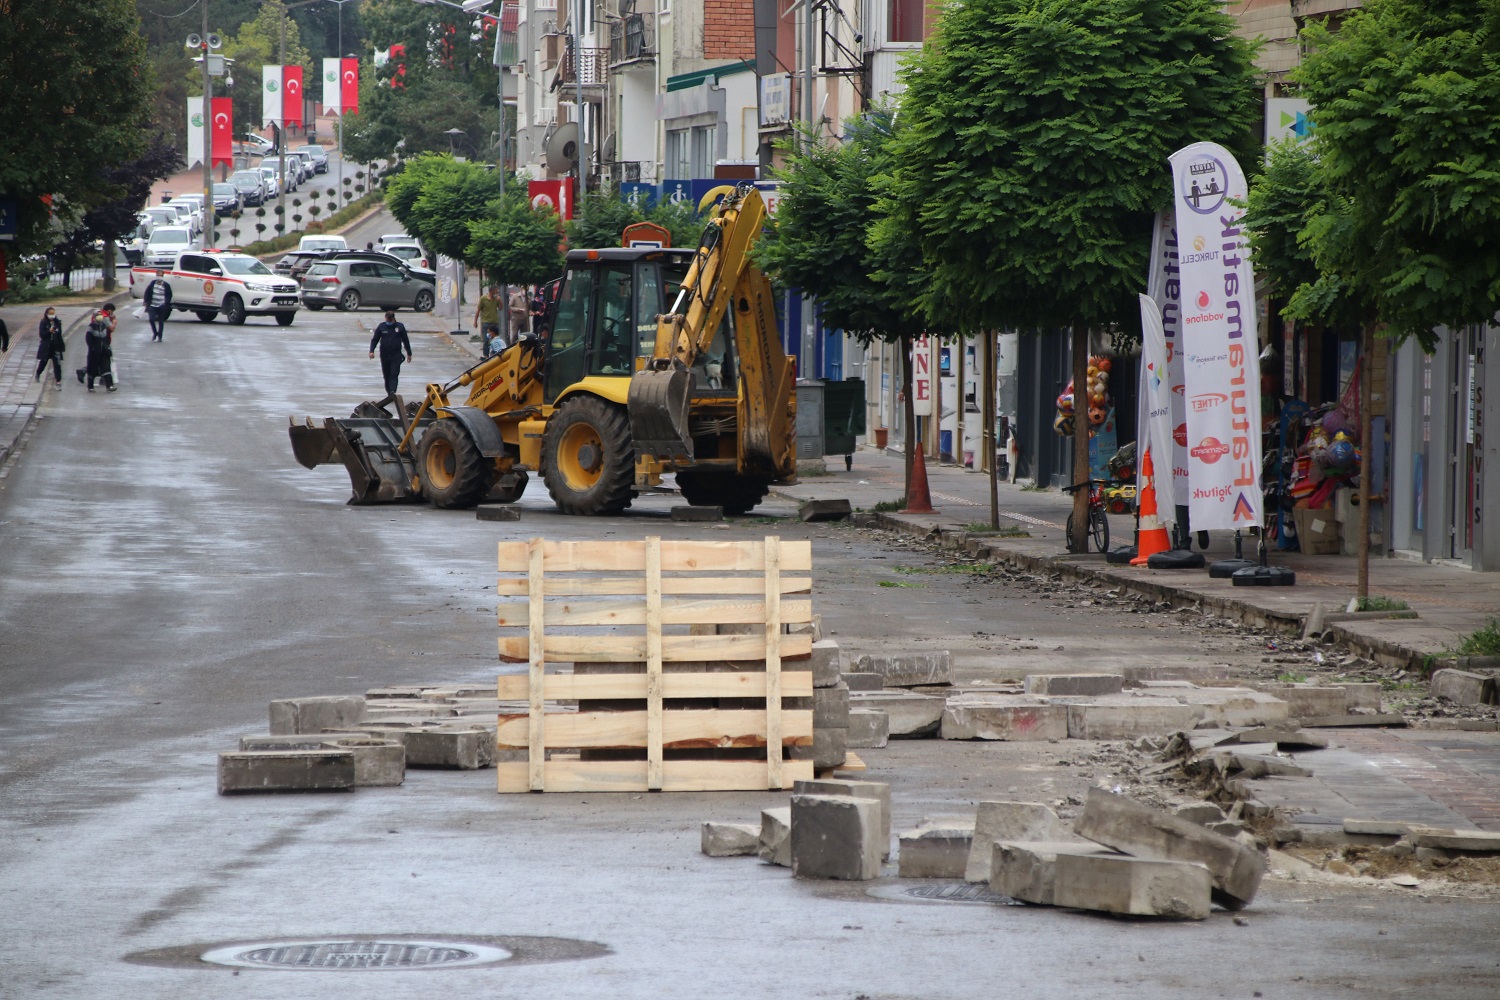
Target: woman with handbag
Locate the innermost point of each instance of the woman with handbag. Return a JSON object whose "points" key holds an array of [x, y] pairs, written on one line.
{"points": [[99, 362], [51, 347]]}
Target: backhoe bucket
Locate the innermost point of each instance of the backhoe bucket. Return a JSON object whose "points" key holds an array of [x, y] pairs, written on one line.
{"points": [[658, 407], [366, 445]]}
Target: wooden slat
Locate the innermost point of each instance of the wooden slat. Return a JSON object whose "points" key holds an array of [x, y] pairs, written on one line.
{"points": [[702, 611], [576, 687], [632, 648], [635, 586], [680, 730], [655, 735], [536, 657], [630, 775], [677, 556], [773, 662]]}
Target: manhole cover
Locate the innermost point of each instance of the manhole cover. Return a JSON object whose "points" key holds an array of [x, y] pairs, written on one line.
{"points": [[944, 892], [356, 954]]}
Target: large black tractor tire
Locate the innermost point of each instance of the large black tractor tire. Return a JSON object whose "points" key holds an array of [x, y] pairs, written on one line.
{"points": [[453, 473], [588, 458], [736, 494]]}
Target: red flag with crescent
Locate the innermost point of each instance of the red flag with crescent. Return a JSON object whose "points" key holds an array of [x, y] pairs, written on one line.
{"points": [[291, 91], [222, 150], [349, 86]]}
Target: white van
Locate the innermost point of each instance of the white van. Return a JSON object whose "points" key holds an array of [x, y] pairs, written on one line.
{"points": [[322, 243]]}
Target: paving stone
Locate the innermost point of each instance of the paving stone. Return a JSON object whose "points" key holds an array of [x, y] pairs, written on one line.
{"points": [[1010, 821], [1309, 700], [1137, 887], [864, 682], [1258, 766], [830, 707], [697, 513], [1462, 841], [316, 714], [1233, 706], [1361, 696], [1377, 827], [775, 846], [1000, 717], [1128, 717], [1463, 687], [937, 849], [1202, 813], [829, 749], [869, 729], [910, 715], [1285, 739], [1027, 870], [835, 837], [1126, 825], [322, 770], [497, 514], [824, 510], [1135, 673], [909, 669], [464, 749], [827, 663], [880, 791], [1077, 684], [1389, 719], [729, 840], [378, 763]]}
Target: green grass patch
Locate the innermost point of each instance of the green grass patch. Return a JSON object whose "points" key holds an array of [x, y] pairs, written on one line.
{"points": [[902, 584], [1291, 678], [888, 506], [1004, 531], [960, 568], [1379, 602], [1483, 641], [1033, 488]]}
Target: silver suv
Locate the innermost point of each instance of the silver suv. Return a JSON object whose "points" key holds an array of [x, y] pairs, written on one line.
{"points": [[351, 284]]}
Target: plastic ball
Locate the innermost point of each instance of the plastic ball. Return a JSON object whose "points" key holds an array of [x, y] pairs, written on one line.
{"points": [[1063, 425], [1105, 364]]}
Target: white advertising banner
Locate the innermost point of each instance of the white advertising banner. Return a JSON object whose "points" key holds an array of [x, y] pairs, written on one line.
{"points": [[1155, 428], [270, 95], [921, 377], [195, 131], [1164, 286], [449, 285], [1221, 354], [332, 86]]}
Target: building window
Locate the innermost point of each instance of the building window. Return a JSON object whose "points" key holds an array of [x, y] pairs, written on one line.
{"points": [[679, 168], [705, 149], [906, 20]]}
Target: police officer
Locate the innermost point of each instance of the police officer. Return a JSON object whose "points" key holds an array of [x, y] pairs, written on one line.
{"points": [[390, 337]]}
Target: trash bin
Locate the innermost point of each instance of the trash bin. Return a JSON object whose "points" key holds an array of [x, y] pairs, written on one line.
{"points": [[843, 417], [810, 421]]}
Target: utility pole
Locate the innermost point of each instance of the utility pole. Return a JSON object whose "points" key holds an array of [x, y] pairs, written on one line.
{"points": [[583, 136], [286, 12], [208, 144]]}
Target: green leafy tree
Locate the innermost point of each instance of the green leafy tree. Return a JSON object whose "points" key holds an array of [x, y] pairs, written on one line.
{"points": [[436, 198], [599, 218], [75, 103], [515, 243], [1033, 155]]}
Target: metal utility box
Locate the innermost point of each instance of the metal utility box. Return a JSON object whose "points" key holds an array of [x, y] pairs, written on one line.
{"points": [[843, 417]]}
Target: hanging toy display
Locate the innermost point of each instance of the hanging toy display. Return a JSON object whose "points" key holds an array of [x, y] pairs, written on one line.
{"points": [[1095, 403], [1063, 425]]}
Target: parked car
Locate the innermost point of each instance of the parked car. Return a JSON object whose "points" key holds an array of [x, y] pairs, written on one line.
{"points": [[412, 253], [353, 284], [322, 243], [304, 162], [226, 200], [159, 215], [165, 243], [380, 257], [257, 145], [382, 240], [251, 185], [193, 209], [273, 187], [319, 156], [296, 262]]}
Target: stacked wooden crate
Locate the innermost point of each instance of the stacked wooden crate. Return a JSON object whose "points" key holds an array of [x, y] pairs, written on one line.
{"points": [[629, 686]]}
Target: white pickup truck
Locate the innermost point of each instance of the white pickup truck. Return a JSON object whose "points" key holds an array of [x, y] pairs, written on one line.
{"points": [[210, 282]]}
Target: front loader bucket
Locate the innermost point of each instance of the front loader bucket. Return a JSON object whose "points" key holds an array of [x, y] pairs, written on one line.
{"points": [[658, 406], [367, 447]]}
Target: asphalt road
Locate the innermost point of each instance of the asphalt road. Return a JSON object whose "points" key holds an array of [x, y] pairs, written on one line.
{"points": [[166, 569]]}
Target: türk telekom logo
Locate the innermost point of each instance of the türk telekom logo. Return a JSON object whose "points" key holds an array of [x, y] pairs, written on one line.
{"points": [[1179, 435], [1209, 450], [1207, 401]]}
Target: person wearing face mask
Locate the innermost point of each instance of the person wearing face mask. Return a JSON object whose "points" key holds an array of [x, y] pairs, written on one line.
{"points": [[50, 347]]}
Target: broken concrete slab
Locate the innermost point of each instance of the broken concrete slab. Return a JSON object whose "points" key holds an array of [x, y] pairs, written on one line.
{"points": [[1136, 887], [830, 707], [1463, 687], [1285, 739], [910, 715], [869, 729], [829, 748], [729, 840], [835, 837], [464, 749], [1002, 717], [1137, 829], [682, 513], [1074, 684], [1128, 717], [937, 848], [1393, 720], [1010, 821], [824, 510], [864, 682], [315, 714], [879, 791], [909, 669], [378, 763], [1303, 700], [323, 770], [1360, 696], [827, 663], [1202, 813], [1133, 674], [1232, 706], [1027, 870], [1253, 766], [775, 845], [1458, 841]]}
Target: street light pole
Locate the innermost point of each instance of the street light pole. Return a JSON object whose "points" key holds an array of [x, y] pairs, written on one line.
{"points": [[208, 156]]}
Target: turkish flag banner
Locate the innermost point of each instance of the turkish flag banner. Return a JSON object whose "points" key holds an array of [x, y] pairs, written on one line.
{"points": [[291, 89], [222, 150], [556, 196], [349, 86]]}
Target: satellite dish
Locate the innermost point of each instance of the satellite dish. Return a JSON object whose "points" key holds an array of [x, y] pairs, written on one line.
{"points": [[194, 41], [214, 42], [561, 148]]}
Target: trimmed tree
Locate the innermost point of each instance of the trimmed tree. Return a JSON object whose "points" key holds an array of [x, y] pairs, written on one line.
{"points": [[515, 243], [436, 198], [1033, 156]]}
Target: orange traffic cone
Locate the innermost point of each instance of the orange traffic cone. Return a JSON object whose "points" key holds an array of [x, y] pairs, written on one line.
{"points": [[1151, 537], [919, 500]]}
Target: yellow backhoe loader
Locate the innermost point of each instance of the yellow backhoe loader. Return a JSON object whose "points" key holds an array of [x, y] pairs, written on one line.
{"points": [[649, 361]]}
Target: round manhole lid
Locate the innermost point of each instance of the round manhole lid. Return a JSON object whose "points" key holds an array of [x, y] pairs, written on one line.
{"points": [[340, 954]]}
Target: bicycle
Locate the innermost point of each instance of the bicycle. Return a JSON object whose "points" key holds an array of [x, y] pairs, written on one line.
{"points": [[1098, 518]]}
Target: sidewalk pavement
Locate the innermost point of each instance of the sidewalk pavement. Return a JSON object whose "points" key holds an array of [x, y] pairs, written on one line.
{"points": [[1451, 602], [21, 395]]}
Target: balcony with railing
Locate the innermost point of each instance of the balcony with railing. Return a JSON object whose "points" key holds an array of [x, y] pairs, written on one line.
{"points": [[586, 66], [632, 40]]}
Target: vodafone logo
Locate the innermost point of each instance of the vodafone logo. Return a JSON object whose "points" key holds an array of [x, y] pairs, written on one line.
{"points": [[1179, 435], [1208, 401], [1203, 300], [1209, 450]]}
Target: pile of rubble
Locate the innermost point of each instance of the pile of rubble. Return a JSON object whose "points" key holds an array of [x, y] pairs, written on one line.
{"points": [[1121, 856]]}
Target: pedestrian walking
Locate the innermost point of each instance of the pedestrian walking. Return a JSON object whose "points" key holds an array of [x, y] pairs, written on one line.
{"points": [[487, 318], [4, 338], [50, 346], [100, 358], [158, 298], [520, 313], [390, 337]]}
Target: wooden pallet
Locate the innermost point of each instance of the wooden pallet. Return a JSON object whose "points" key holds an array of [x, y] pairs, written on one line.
{"points": [[637, 622]]}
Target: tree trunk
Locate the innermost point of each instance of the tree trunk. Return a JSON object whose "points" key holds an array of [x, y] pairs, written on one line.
{"points": [[108, 268], [960, 403], [1080, 437], [991, 447], [908, 410], [1366, 421]]}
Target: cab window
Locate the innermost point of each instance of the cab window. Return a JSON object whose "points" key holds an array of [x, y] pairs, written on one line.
{"points": [[614, 339], [647, 305], [571, 321]]}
